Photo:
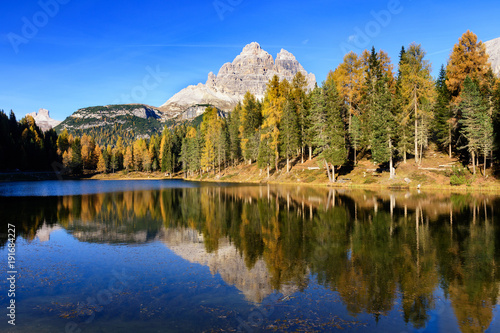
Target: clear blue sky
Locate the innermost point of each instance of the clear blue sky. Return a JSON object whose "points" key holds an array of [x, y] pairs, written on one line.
{"points": [[95, 52]]}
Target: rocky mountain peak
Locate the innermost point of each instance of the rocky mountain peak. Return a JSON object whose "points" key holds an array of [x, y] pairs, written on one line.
{"points": [[285, 55], [43, 120], [251, 70]]}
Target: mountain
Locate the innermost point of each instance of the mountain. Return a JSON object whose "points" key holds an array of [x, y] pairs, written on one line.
{"points": [[107, 123], [43, 120], [493, 50], [250, 71]]}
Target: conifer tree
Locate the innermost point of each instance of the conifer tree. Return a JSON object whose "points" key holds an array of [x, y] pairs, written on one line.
{"points": [[405, 128], [477, 126], [289, 132], [250, 122], [234, 134], [298, 95], [444, 122], [336, 150], [128, 159], [272, 112], [349, 78], [166, 152], [468, 58], [417, 90]]}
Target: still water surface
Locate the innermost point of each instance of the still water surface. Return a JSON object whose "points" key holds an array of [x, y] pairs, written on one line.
{"points": [[174, 256]]}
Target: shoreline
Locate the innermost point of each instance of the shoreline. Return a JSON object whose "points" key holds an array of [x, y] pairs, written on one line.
{"points": [[492, 188]]}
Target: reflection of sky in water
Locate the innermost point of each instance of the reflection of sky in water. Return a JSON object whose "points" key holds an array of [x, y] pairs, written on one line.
{"points": [[172, 283], [76, 187]]}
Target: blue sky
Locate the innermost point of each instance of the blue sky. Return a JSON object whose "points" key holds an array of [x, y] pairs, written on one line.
{"points": [[63, 55]]}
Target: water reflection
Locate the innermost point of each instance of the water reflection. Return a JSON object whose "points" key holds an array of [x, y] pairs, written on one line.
{"points": [[374, 249]]}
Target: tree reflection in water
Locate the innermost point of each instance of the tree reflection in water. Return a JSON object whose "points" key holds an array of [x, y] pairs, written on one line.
{"points": [[373, 248]]}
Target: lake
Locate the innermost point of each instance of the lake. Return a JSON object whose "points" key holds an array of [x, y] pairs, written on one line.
{"points": [[176, 256]]}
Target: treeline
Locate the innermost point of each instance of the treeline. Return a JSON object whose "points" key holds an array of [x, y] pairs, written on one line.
{"points": [[24, 146], [363, 109]]}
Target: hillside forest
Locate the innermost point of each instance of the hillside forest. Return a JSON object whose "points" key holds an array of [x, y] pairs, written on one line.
{"points": [[366, 108]]}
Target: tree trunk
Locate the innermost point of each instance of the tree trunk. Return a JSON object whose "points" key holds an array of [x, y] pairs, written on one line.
{"points": [[310, 153], [328, 171], [391, 169], [268, 167], [333, 173], [473, 163], [355, 150], [287, 164], [302, 155], [484, 174], [416, 125], [449, 138]]}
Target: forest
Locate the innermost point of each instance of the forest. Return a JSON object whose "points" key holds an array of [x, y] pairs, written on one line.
{"points": [[364, 109]]}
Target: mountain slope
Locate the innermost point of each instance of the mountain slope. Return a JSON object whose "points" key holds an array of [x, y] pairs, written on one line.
{"points": [[107, 123], [493, 50]]}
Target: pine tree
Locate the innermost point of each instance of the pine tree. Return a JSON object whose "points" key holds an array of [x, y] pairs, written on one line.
{"points": [[405, 132], [444, 122], [298, 95], [266, 157], [166, 152], [250, 122], [417, 90], [234, 134], [289, 132], [477, 125]]}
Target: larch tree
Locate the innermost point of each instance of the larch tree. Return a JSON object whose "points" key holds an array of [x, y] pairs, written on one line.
{"points": [[349, 78], [468, 58], [272, 112], [128, 159], [417, 90]]}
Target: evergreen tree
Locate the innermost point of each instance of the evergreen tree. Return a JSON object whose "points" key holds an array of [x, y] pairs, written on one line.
{"points": [[166, 152], [250, 122], [477, 125], [234, 134], [335, 149], [266, 157], [289, 132], [298, 95], [405, 132], [417, 90], [444, 122]]}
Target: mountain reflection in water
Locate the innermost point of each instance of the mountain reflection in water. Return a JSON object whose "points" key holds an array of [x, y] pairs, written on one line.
{"points": [[375, 249]]}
